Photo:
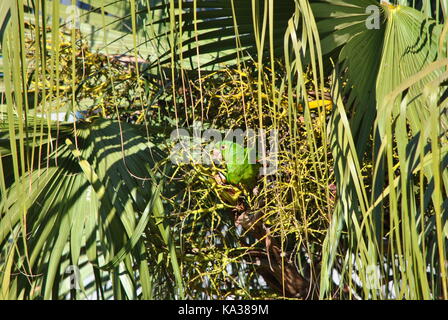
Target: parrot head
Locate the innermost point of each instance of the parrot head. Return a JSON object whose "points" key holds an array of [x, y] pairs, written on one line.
{"points": [[228, 151]]}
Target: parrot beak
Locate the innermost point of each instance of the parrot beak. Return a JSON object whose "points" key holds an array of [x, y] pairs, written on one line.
{"points": [[223, 178], [220, 179]]}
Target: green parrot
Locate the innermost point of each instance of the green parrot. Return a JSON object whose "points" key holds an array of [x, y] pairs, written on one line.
{"points": [[236, 159]]}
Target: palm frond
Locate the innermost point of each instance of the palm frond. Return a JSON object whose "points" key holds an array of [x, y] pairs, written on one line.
{"points": [[84, 203]]}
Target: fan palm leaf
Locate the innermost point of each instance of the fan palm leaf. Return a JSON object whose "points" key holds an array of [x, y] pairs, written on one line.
{"points": [[85, 203]]}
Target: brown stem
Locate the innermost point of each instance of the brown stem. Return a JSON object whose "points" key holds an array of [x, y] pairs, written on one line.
{"points": [[279, 273]]}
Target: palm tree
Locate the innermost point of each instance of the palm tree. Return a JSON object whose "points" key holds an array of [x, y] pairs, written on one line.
{"points": [[93, 195], [394, 88]]}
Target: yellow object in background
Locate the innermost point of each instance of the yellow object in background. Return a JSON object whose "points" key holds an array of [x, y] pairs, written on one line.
{"points": [[328, 104]]}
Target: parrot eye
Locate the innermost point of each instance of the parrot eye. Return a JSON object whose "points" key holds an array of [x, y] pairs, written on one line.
{"points": [[223, 147]]}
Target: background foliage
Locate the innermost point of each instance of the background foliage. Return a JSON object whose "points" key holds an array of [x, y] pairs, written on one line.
{"points": [[90, 92]]}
